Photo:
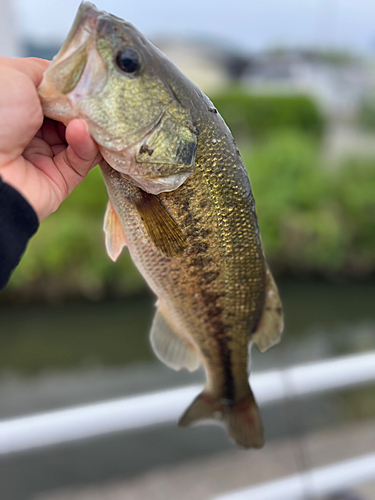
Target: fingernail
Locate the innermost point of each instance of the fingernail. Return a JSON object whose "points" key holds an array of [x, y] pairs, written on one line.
{"points": [[86, 126]]}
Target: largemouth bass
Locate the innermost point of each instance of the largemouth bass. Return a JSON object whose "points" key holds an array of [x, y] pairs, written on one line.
{"points": [[180, 200]]}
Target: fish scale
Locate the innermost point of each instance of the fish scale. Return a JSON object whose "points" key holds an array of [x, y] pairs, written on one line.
{"points": [[181, 200], [234, 298]]}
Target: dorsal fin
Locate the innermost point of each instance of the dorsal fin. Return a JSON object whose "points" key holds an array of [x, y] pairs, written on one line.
{"points": [[169, 347], [271, 323], [114, 234], [160, 225]]}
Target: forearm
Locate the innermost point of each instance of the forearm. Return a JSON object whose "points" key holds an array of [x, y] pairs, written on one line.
{"points": [[18, 222]]}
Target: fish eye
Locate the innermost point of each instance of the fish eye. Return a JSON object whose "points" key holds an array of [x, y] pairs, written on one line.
{"points": [[128, 61]]}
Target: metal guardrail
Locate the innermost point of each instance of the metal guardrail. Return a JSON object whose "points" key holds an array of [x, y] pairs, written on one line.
{"points": [[311, 484], [81, 422]]}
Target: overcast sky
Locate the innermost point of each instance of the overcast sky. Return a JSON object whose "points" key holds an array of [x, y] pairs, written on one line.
{"points": [[247, 24]]}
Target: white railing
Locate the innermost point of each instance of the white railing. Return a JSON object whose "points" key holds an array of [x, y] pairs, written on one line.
{"points": [[80, 422], [314, 483]]}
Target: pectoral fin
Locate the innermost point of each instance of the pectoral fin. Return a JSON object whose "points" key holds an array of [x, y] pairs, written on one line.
{"points": [[169, 347], [271, 323], [114, 235], [160, 225]]}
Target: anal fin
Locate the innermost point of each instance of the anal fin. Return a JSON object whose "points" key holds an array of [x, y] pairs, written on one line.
{"points": [[271, 323], [169, 347], [114, 234]]}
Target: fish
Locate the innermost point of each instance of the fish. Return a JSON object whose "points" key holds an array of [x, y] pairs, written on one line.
{"points": [[180, 199]]}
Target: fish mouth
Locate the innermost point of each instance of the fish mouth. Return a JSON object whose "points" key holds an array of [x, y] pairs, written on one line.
{"points": [[78, 71], [84, 25], [77, 68]]}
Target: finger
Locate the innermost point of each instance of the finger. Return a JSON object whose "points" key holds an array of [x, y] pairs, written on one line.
{"points": [[21, 111], [36, 149], [61, 128], [30, 66], [58, 149], [52, 133], [82, 148], [79, 157]]}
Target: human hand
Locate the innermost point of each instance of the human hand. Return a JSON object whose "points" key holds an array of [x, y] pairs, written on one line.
{"points": [[42, 159]]}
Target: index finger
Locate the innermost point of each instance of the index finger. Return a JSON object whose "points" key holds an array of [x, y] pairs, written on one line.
{"points": [[30, 66]]}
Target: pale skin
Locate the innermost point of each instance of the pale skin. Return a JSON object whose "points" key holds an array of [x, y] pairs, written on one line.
{"points": [[39, 157]]}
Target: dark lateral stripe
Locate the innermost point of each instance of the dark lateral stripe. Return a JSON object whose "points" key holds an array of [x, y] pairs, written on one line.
{"points": [[227, 363], [198, 251], [226, 360]]}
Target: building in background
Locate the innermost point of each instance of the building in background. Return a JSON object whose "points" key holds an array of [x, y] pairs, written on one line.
{"points": [[338, 82], [208, 64]]}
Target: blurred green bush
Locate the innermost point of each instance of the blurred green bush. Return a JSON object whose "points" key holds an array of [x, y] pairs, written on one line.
{"points": [[67, 256], [355, 188], [256, 116], [366, 114], [314, 218]]}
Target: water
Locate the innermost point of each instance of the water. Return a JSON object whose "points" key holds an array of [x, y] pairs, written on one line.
{"points": [[64, 354], [329, 318]]}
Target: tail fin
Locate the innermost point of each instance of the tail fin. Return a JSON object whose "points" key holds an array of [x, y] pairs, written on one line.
{"points": [[242, 419]]}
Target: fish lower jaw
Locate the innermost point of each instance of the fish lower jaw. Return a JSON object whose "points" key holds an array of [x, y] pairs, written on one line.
{"points": [[55, 106], [124, 163], [160, 185]]}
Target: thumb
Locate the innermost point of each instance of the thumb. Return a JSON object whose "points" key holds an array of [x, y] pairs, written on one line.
{"points": [[81, 154]]}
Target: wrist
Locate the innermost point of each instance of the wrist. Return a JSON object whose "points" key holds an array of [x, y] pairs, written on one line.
{"points": [[17, 180]]}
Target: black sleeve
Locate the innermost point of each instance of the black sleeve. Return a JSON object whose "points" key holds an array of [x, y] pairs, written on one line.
{"points": [[18, 222]]}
